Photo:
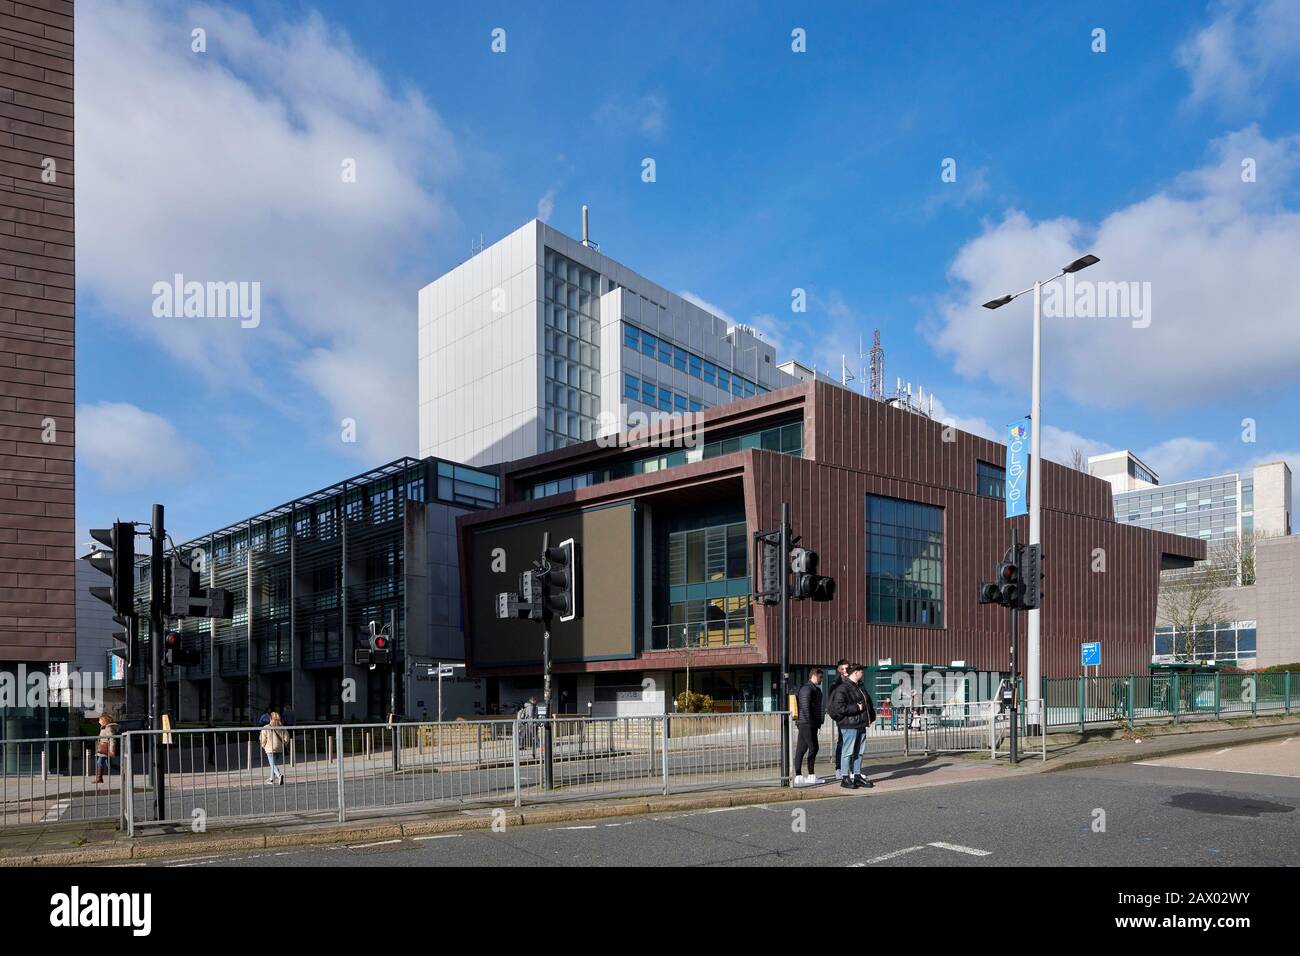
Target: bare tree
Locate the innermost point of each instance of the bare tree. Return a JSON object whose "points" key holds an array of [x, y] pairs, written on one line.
{"points": [[1238, 553], [1078, 460], [1197, 598]]}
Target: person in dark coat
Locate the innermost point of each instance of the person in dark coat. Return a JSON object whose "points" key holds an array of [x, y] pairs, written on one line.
{"points": [[811, 716], [852, 710], [839, 677]]}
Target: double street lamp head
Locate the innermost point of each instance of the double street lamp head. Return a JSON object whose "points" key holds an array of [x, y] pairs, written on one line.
{"points": [[1076, 266]]}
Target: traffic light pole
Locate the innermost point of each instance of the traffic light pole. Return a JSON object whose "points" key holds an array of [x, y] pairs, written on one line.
{"points": [[548, 765], [783, 682], [158, 687], [1015, 689]]}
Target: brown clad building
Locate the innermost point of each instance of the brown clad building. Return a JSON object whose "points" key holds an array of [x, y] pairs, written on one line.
{"points": [[906, 513], [37, 578]]}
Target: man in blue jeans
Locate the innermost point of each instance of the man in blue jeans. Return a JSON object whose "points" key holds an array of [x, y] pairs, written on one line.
{"points": [[840, 677], [852, 710]]}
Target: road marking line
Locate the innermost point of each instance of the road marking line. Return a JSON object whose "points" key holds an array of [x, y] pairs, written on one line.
{"points": [[1253, 773], [363, 846], [592, 827], [1223, 751], [437, 836], [56, 812], [962, 849], [889, 856]]}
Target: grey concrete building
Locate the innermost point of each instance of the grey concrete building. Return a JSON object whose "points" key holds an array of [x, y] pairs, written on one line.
{"points": [[540, 341], [1244, 518]]}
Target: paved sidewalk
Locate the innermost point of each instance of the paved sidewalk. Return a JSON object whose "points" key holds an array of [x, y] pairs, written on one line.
{"points": [[69, 844]]}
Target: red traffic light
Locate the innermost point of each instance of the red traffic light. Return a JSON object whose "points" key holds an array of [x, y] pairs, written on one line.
{"points": [[173, 640], [380, 642]]}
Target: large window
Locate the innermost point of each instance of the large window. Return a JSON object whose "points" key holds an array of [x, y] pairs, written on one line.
{"points": [[904, 562], [991, 481], [572, 334], [708, 588]]}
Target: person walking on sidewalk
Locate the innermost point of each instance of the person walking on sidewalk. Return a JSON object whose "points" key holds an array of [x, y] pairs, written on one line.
{"points": [[852, 710], [839, 678], [105, 748], [811, 717], [272, 740]]}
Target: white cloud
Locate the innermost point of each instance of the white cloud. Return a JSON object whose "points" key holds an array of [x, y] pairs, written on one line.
{"points": [[128, 447], [1177, 459], [1245, 45], [546, 205], [1219, 255], [227, 166]]}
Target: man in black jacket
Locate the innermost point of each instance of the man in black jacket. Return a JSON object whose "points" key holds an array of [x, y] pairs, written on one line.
{"points": [[852, 710], [809, 722], [839, 677]]}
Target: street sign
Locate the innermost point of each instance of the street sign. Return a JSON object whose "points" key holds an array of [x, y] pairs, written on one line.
{"points": [[446, 671], [1017, 468], [1090, 654]]}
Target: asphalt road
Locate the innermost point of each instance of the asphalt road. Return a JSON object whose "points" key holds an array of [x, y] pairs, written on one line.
{"points": [[1168, 814]]}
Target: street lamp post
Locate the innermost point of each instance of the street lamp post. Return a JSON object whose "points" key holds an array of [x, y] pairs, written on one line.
{"points": [[1033, 663]]}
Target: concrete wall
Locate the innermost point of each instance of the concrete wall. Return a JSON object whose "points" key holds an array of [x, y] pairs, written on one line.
{"points": [[1277, 577], [480, 355], [1273, 498]]}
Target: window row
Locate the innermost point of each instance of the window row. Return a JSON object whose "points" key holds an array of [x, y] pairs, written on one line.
{"points": [[657, 396], [684, 361]]}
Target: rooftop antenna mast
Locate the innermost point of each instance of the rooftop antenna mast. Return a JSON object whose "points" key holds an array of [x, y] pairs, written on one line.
{"points": [[586, 232], [845, 375], [877, 357]]}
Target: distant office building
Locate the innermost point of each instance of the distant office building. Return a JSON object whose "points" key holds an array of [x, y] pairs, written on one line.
{"points": [[309, 577], [540, 341], [1245, 520]]}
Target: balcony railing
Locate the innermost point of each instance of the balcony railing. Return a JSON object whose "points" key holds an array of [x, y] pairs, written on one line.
{"points": [[703, 635]]}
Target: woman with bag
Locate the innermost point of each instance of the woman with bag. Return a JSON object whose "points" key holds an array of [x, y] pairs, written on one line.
{"points": [[272, 740], [105, 748]]}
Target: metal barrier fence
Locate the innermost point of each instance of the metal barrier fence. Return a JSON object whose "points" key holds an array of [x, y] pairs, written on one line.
{"points": [[49, 779], [345, 770], [1080, 701]]}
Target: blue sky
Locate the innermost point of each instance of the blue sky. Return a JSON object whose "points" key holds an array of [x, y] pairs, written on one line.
{"points": [[775, 170]]}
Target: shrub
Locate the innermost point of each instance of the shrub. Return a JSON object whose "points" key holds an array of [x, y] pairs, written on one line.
{"points": [[689, 702]]}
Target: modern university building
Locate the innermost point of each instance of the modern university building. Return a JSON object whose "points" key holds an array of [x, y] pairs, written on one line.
{"points": [[905, 512]]}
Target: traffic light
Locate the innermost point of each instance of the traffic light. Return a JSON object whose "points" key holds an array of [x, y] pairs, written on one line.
{"points": [[530, 593], [123, 637], [1010, 587], [807, 582], [1017, 584], [176, 656], [1031, 576], [768, 561], [183, 590], [559, 578], [118, 562]]}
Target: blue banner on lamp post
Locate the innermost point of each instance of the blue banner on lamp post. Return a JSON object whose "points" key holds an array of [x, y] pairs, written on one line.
{"points": [[1017, 480]]}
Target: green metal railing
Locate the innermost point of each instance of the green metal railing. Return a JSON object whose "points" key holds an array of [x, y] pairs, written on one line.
{"points": [[1169, 695]]}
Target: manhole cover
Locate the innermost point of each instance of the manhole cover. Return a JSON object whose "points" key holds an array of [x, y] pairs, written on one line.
{"points": [[1225, 806]]}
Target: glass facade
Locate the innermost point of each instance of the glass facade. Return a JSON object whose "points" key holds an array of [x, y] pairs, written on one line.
{"points": [[674, 356], [572, 335], [904, 562], [1216, 510], [1224, 643], [990, 480], [786, 439], [708, 589]]}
